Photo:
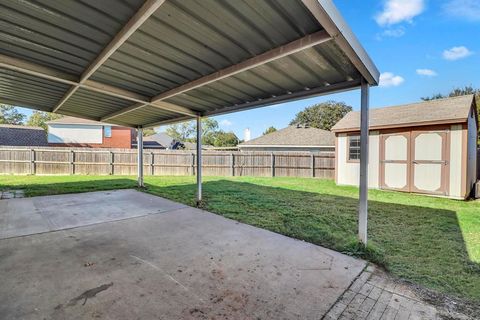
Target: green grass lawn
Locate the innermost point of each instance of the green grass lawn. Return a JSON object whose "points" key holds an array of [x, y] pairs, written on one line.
{"points": [[430, 241]]}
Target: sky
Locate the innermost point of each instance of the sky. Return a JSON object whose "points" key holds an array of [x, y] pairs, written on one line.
{"points": [[421, 47]]}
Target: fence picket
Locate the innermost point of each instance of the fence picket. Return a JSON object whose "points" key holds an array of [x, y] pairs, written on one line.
{"points": [[57, 161]]}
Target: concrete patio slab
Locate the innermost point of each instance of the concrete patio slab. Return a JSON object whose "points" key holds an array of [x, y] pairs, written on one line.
{"points": [[183, 263], [19, 217]]}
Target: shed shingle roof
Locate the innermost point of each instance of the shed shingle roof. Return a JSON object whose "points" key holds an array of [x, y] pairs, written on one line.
{"points": [[448, 110], [293, 136], [15, 135]]}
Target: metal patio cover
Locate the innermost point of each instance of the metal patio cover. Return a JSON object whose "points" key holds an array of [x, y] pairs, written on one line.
{"points": [[146, 63]]}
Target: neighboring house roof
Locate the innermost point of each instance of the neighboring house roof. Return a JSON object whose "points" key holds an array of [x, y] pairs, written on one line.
{"points": [[294, 136], [15, 135], [448, 110], [73, 120], [160, 138]]}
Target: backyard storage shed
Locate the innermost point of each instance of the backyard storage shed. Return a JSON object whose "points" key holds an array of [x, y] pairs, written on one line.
{"points": [[293, 138], [428, 147]]}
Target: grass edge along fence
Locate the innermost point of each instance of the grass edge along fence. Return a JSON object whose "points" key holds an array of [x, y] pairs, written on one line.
{"points": [[87, 161]]}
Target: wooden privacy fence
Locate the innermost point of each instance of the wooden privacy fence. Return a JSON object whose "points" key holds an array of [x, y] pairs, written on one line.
{"points": [[82, 161]]}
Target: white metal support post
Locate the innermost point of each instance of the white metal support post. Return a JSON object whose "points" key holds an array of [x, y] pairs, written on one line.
{"points": [[140, 157], [199, 160], [363, 203]]}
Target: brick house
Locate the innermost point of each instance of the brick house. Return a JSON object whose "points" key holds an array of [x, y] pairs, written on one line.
{"points": [[75, 132]]}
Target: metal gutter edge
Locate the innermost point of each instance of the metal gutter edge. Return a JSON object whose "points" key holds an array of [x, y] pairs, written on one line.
{"points": [[330, 18]]}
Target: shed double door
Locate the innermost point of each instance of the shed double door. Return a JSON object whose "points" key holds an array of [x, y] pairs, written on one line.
{"points": [[414, 161]]}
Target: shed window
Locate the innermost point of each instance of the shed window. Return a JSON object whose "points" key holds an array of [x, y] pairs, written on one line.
{"points": [[354, 148], [107, 131]]}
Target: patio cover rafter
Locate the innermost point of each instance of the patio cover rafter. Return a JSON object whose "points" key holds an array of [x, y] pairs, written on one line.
{"points": [[328, 16], [142, 15], [290, 48], [27, 67]]}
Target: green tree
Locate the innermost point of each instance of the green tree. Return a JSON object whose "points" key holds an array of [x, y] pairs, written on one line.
{"points": [[186, 131], [323, 115], [226, 139], [40, 119], [180, 131], [270, 130], [10, 115], [455, 93], [148, 132]]}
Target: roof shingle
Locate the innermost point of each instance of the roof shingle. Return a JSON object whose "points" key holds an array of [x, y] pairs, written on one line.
{"points": [[293, 136], [16, 135], [454, 110]]}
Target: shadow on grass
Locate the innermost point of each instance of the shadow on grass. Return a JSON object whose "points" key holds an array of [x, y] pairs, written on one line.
{"points": [[421, 244], [62, 187]]}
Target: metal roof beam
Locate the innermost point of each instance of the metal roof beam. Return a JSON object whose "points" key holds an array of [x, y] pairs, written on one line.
{"points": [[33, 69], [307, 93], [263, 58], [328, 16], [268, 56], [22, 66], [313, 92], [135, 22], [160, 105], [165, 122]]}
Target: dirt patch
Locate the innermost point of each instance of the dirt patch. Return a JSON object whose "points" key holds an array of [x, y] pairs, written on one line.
{"points": [[451, 308]]}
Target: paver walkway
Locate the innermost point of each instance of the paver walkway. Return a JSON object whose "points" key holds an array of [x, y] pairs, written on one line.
{"points": [[377, 296]]}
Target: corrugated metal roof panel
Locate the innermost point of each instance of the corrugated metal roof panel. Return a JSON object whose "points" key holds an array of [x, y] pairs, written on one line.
{"points": [[178, 43], [185, 40], [29, 91], [96, 105], [63, 34]]}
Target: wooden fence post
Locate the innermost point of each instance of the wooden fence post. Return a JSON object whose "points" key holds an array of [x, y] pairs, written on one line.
{"points": [[33, 169], [272, 164], [72, 162], [232, 164], [192, 164], [312, 163], [112, 159], [152, 162]]}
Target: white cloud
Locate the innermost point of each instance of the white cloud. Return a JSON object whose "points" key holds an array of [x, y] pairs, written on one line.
{"points": [[226, 123], [396, 11], [426, 72], [456, 53], [467, 9], [391, 33], [388, 79], [395, 33]]}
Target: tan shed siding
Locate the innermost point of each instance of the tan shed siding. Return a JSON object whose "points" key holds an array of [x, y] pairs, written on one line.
{"points": [[456, 135], [349, 172], [345, 174], [374, 160], [472, 152]]}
